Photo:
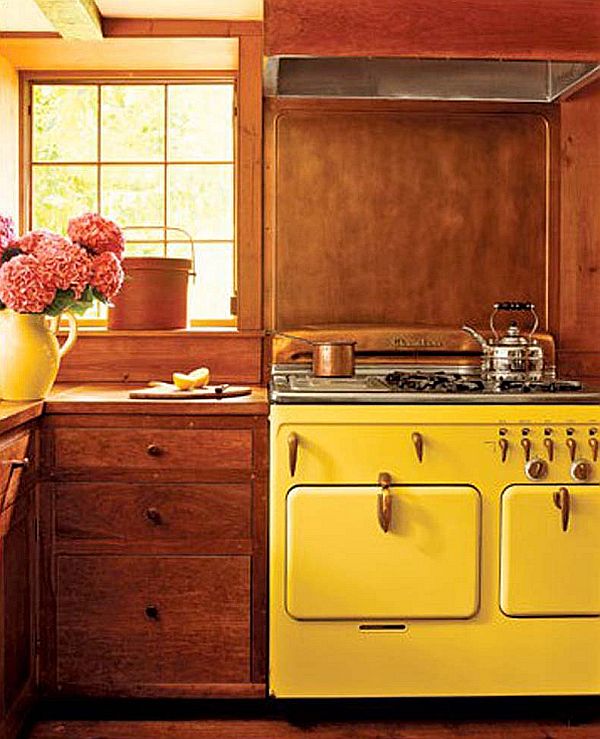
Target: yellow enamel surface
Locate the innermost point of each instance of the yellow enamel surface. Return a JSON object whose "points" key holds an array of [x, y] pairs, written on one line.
{"points": [[489, 653], [29, 356], [342, 565], [545, 570]]}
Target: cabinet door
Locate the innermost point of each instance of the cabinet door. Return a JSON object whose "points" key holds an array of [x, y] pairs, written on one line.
{"points": [[545, 570], [17, 550], [342, 565]]}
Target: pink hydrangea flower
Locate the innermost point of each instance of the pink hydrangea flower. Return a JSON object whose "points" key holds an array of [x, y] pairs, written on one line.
{"points": [[7, 232], [107, 274], [25, 286], [40, 239], [97, 234], [65, 263]]}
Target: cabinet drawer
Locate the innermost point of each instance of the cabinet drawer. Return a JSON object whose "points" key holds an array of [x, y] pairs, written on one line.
{"points": [[207, 451], [13, 448], [127, 622], [176, 517]]}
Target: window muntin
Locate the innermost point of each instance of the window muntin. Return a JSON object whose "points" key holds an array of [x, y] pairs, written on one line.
{"points": [[144, 154]]}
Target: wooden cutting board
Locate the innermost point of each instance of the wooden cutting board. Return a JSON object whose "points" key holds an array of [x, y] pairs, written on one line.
{"points": [[170, 392]]}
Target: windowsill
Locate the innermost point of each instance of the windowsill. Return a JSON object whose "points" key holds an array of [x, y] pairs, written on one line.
{"points": [[191, 332]]}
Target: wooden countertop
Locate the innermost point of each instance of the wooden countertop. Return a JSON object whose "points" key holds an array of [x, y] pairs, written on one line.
{"points": [[109, 398], [15, 414], [66, 399]]}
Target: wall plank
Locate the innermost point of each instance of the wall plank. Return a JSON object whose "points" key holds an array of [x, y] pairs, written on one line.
{"points": [[536, 29]]}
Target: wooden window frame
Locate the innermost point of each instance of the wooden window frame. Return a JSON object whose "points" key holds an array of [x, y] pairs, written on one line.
{"points": [[248, 277]]}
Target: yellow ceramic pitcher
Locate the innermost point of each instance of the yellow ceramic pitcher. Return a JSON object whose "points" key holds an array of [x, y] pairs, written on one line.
{"points": [[30, 353]]}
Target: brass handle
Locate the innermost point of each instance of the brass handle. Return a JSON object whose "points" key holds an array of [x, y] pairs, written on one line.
{"points": [[572, 445], [152, 613], [503, 443], [153, 515], [594, 447], [293, 442], [549, 444], [384, 501], [417, 440], [154, 450], [562, 500], [526, 444]]}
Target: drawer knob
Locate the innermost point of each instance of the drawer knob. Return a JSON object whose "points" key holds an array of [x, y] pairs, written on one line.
{"points": [[152, 613], [153, 515], [154, 450]]}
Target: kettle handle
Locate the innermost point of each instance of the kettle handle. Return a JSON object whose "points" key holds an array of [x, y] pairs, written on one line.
{"points": [[514, 306]]}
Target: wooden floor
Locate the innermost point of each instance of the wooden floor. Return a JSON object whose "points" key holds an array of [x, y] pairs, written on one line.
{"points": [[489, 720]]}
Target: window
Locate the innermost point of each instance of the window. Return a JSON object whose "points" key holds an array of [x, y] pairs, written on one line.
{"points": [[145, 154]]}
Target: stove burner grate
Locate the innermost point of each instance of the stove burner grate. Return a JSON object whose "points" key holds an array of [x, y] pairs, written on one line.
{"points": [[433, 382], [448, 382]]}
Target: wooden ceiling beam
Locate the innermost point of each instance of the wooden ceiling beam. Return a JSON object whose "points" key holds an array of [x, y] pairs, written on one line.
{"points": [[73, 19], [178, 27]]}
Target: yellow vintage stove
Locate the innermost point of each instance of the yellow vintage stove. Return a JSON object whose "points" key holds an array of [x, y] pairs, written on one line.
{"points": [[430, 534]]}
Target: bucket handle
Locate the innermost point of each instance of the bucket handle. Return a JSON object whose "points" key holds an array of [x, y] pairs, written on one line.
{"points": [[164, 229]]}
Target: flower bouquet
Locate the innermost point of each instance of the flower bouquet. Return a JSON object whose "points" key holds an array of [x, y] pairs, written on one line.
{"points": [[45, 274]]}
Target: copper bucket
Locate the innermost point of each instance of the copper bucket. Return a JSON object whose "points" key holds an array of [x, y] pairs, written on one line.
{"points": [[154, 295]]}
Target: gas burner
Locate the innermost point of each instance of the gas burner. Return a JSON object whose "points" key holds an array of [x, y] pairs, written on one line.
{"points": [[433, 382], [551, 386]]}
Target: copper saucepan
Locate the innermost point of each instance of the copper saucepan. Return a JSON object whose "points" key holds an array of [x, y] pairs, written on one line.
{"points": [[329, 358]]}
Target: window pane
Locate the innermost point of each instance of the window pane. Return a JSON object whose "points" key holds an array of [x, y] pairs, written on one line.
{"points": [[133, 123], [200, 123], [61, 192], [65, 123], [133, 195], [144, 250], [200, 200], [211, 292]]}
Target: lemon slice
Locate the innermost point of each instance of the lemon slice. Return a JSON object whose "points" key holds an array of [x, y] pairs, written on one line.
{"points": [[183, 381], [200, 376]]}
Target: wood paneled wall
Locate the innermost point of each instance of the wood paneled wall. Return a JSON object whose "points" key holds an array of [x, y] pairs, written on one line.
{"points": [[9, 140], [518, 29], [579, 330], [388, 212]]}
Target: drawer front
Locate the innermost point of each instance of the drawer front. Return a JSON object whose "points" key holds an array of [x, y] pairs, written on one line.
{"points": [[184, 517], [13, 450], [209, 450], [126, 622]]}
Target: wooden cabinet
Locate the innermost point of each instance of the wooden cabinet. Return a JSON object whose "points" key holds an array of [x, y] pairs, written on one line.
{"points": [[17, 580], [153, 555]]}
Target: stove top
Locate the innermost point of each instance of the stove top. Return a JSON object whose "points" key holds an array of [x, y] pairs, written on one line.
{"points": [[387, 385]]}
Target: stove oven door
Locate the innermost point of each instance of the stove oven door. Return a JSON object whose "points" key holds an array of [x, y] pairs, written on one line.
{"points": [[341, 564], [550, 550]]}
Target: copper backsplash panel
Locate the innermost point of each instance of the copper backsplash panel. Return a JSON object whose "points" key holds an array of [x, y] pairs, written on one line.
{"points": [[403, 217]]}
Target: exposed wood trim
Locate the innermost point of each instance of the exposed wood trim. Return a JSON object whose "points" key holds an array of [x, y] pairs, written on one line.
{"points": [[249, 183], [29, 34], [174, 27], [73, 19], [510, 29]]}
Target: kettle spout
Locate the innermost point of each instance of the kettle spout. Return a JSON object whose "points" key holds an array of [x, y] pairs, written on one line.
{"points": [[477, 336]]}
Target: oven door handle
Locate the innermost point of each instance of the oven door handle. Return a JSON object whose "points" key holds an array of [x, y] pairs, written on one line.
{"points": [[562, 501], [384, 501], [293, 442]]}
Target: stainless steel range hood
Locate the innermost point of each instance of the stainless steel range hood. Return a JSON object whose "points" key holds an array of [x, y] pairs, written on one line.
{"points": [[424, 79]]}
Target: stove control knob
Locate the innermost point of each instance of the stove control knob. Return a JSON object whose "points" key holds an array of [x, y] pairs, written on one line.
{"points": [[536, 468], [581, 470]]}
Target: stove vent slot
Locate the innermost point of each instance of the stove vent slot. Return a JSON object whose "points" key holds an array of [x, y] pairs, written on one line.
{"points": [[383, 627]]}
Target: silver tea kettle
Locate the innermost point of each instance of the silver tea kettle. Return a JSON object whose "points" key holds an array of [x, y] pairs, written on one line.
{"points": [[515, 356]]}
